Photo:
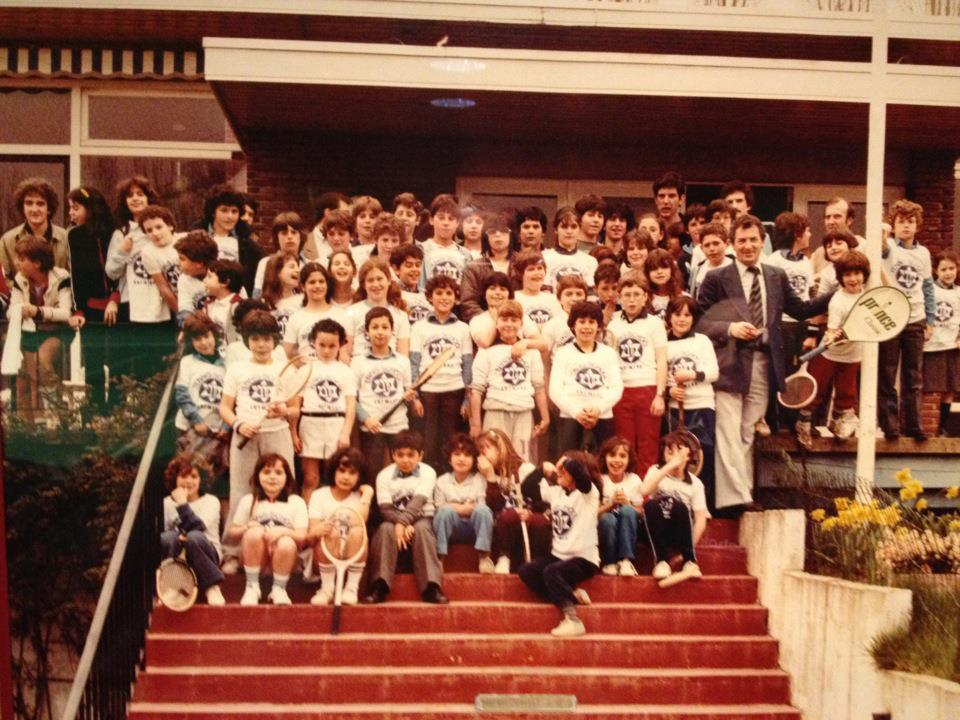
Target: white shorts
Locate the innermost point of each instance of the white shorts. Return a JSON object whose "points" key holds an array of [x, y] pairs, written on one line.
{"points": [[319, 436]]}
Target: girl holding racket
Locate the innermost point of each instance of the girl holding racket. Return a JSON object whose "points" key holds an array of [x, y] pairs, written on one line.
{"points": [[348, 487], [271, 526], [251, 405], [191, 520]]}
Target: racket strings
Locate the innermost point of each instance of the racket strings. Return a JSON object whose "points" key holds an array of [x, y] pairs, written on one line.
{"points": [[176, 586]]}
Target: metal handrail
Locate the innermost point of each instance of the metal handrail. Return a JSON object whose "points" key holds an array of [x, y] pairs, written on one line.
{"points": [[85, 685]]}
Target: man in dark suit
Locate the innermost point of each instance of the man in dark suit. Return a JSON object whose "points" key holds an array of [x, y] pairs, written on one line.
{"points": [[742, 305]]}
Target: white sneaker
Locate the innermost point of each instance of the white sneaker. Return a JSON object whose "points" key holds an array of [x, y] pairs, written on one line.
{"points": [[692, 570], [323, 596], [278, 596], [251, 595], [348, 596], [231, 566], [503, 565], [804, 430], [846, 425], [627, 568], [569, 627], [689, 571], [580, 595], [662, 570], [215, 597], [486, 566], [610, 569]]}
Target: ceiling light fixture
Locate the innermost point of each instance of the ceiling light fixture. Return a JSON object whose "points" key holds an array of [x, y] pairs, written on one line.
{"points": [[453, 103]]}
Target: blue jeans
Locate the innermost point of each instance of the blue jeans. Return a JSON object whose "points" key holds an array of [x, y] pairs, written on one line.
{"points": [[201, 555], [618, 534], [450, 527]]}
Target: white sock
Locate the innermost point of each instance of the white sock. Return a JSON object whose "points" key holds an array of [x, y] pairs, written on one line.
{"points": [[353, 577], [280, 581], [328, 578]]}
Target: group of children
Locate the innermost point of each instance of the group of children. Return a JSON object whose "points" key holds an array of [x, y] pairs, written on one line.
{"points": [[552, 350]]}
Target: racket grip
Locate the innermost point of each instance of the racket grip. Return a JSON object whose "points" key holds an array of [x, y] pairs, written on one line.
{"points": [[808, 356], [390, 411], [242, 443]]}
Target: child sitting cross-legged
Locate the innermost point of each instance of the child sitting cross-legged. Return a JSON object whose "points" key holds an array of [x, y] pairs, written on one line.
{"points": [[462, 514], [191, 519], [620, 507], [347, 487], [271, 526]]}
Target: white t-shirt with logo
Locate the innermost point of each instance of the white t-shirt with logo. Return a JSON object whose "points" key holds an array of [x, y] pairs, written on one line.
{"points": [[301, 322], [165, 261], [290, 513], [907, 268], [447, 260], [799, 274], [448, 491], [557, 332], [580, 380], [482, 324], [429, 338], [323, 504], [635, 343], [691, 494], [329, 386], [417, 306], [840, 305], [574, 519], [507, 384], [228, 248], [381, 383], [560, 264], [694, 352], [540, 308], [630, 485], [255, 386], [204, 382], [398, 491], [191, 294], [357, 319], [946, 327], [146, 305]]}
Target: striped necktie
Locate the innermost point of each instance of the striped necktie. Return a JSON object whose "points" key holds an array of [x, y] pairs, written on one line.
{"points": [[756, 300]]}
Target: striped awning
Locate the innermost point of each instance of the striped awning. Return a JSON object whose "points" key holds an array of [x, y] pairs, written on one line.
{"points": [[100, 62]]}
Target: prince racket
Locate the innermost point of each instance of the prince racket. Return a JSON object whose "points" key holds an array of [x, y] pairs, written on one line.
{"points": [[344, 545], [291, 381], [176, 583]]}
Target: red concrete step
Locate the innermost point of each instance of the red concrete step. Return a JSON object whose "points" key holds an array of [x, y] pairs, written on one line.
{"points": [[715, 558], [448, 711], [460, 684], [471, 616], [636, 651], [472, 586]]}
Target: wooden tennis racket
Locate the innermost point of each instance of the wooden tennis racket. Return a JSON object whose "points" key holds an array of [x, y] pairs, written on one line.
{"points": [[518, 496], [879, 314], [344, 545], [428, 372], [291, 381], [800, 389], [177, 585]]}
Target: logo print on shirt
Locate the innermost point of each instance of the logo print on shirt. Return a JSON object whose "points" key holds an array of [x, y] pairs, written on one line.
{"points": [[401, 499], [384, 384], [418, 312], [138, 269], [944, 312], [906, 276], [799, 284], [513, 372], [172, 275], [562, 521], [261, 391], [448, 268], [590, 378], [327, 391], [565, 271], [200, 300], [210, 389], [540, 315], [630, 349], [681, 363], [437, 345]]}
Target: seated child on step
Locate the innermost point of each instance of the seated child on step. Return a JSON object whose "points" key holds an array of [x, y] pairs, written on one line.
{"points": [[571, 489], [675, 514], [348, 487], [271, 526], [191, 519], [462, 514], [620, 507]]}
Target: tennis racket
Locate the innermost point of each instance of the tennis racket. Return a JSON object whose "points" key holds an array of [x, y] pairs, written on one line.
{"points": [[878, 315], [800, 389], [177, 585], [428, 372], [696, 450], [293, 378], [518, 496], [344, 545], [12, 357]]}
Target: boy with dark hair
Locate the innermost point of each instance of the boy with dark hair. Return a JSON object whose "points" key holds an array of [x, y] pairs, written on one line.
{"points": [[221, 218], [715, 252], [251, 405], [405, 499], [606, 294], [223, 283], [36, 200], [620, 220], [695, 218], [339, 230], [909, 267], [196, 252], [316, 247], [591, 211], [441, 254], [366, 209], [530, 225], [738, 195], [288, 239], [445, 404], [407, 209], [407, 264], [669, 194]]}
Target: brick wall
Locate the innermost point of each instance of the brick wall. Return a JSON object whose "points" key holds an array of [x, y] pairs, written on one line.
{"points": [[931, 183]]}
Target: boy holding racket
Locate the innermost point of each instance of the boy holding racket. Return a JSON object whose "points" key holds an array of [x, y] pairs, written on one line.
{"points": [[252, 406], [839, 365]]}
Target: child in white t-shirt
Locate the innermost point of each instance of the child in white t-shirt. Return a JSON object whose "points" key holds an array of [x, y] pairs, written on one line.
{"points": [[160, 262], [565, 258], [941, 353], [196, 252], [620, 507], [271, 526], [347, 487], [529, 273]]}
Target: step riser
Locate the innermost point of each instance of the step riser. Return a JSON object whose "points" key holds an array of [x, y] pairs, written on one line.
{"points": [[442, 652], [713, 560], [462, 688], [532, 618], [707, 715]]}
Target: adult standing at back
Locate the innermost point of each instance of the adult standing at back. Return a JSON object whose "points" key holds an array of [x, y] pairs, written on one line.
{"points": [[221, 218], [669, 195], [37, 203], [743, 304]]}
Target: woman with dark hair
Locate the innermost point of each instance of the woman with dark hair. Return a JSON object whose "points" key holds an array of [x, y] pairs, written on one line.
{"points": [[222, 218]]}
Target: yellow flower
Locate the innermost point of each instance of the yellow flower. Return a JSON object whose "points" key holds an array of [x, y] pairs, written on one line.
{"points": [[842, 503], [907, 493], [921, 504], [953, 492], [954, 526], [903, 476], [829, 523], [818, 515]]}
